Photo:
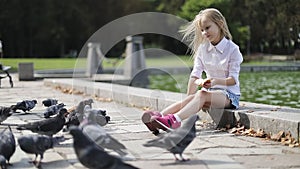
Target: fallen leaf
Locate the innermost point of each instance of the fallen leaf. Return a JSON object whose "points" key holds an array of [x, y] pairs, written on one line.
{"points": [[278, 136], [72, 109], [233, 130], [260, 133], [249, 132], [146, 108]]}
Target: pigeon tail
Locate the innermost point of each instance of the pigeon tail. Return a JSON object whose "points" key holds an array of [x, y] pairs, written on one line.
{"points": [[13, 108], [121, 153], [58, 139], [3, 164]]}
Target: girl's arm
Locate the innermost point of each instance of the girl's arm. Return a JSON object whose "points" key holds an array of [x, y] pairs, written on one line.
{"points": [[192, 87], [195, 74], [229, 81]]}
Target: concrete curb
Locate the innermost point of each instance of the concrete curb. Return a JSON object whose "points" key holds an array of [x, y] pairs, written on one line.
{"points": [[271, 119]]}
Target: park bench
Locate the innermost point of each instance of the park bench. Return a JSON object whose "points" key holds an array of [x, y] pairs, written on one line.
{"points": [[4, 69]]}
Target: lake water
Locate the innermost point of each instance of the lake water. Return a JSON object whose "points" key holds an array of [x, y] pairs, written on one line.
{"points": [[274, 88]]}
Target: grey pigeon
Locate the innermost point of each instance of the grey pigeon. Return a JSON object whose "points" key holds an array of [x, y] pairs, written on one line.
{"points": [[7, 144], [48, 126], [91, 155], [71, 120], [5, 112], [3, 164], [76, 114], [80, 108], [49, 102], [38, 144], [25, 105], [52, 110], [98, 134], [177, 140], [96, 115]]}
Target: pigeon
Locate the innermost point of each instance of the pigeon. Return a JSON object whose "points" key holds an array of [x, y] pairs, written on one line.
{"points": [[7, 144], [98, 134], [49, 102], [93, 156], [25, 105], [52, 110], [76, 113], [3, 164], [80, 108], [48, 126], [38, 144], [71, 120], [177, 140], [96, 115], [5, 112]]}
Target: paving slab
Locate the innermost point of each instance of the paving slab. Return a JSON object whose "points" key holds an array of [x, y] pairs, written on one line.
{"points": [[270, 161], [220, 162], [242, 151], [169, 164], [21, 160]]}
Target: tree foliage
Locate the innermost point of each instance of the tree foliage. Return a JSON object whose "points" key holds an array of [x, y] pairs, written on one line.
{"points": [[266, 26], [52, 28]]}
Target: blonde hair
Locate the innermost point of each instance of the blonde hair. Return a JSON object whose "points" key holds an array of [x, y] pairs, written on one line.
{"points": [[192, 31]]}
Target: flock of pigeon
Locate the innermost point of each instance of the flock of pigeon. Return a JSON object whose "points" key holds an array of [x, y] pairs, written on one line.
{"points": [[90, 138]]}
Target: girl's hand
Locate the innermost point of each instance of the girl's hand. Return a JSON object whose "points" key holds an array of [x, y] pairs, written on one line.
{"points": [[207, 83], [199, 82]]}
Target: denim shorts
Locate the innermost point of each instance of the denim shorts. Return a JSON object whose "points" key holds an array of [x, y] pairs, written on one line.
{"points": [[234, 99]]}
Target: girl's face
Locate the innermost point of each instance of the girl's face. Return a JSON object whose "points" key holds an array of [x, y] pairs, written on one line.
{"points": [[210, 30]]}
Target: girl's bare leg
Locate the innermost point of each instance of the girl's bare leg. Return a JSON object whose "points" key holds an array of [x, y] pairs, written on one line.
{"points": [[217, 99], [174, 108]]}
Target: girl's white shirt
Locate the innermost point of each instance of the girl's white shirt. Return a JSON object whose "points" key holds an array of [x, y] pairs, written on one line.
{"points": [[220, 61]]}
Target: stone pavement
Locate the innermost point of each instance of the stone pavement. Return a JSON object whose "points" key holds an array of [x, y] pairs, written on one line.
{"points": [[211, 148]]}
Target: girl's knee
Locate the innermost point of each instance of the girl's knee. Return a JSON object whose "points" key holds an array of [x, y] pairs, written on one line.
{"points": [[201, 93]]}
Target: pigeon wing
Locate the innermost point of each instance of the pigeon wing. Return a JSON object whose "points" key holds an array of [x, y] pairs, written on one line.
{"points": [[89, 153], [52, 125], [7, 144], [43, 143], [21, 106], [30, 104], [5, 112]]}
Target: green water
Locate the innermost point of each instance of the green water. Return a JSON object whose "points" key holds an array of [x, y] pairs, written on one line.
{"points": [[274, 88]]}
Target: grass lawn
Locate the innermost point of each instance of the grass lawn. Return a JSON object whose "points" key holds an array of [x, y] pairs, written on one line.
{"points": [[41, 64], [70, 63]]}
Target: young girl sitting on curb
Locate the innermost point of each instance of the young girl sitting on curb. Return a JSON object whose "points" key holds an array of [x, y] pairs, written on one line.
{"points": [[215, 54]]}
